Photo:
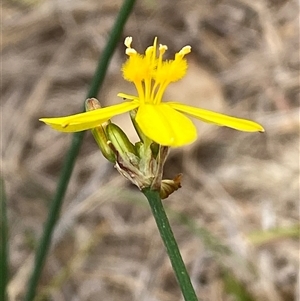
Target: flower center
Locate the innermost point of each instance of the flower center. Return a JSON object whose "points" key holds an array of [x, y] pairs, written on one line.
{"points": [[150, 73]]}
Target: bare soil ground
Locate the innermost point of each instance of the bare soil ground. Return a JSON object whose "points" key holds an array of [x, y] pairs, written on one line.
{"points": [[240, 194]]}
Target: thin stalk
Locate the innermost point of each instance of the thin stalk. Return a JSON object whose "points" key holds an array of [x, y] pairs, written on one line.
{"points": [[73, 151], [170, 243], [3, 244]]}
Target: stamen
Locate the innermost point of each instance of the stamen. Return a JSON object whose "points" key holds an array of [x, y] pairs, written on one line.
{"points": [[149, 51], [162, 49], [184, 50], [130, 51], [128, 42]]}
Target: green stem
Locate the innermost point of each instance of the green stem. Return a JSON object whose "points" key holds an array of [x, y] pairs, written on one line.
{"points": [[71, 156], [3, 243], [170, 243]]}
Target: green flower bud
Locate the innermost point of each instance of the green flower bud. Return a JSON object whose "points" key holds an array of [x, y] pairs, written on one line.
{"points": [[99, 132], [92, 104], [141, 135], [121, 143]]}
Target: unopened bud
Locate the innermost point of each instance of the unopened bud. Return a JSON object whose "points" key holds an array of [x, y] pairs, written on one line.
{"points": [[99, 131], [92, 104], [141, 135], [121, 142]]}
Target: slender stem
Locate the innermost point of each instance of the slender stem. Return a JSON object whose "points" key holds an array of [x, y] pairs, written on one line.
{"points": [[71, 156], [112, 42], [3, 243], [170, 243], [45, 241]]}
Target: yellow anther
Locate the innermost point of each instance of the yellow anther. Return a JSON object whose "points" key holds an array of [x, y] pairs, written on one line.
{"points": [[162, 49], [149, 51], [128, 42], [184, 50], [130, 51]]}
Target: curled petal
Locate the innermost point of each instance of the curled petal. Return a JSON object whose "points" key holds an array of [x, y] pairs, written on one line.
{"points": [[218, 119], [88, 120], [165, 126]]}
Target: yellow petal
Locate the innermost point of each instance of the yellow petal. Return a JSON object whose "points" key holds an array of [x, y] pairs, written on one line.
{"points": [[88, 120], [218, 119], [165, 126]]}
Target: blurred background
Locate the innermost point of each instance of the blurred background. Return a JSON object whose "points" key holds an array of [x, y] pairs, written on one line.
{"points": [[236, 217]]}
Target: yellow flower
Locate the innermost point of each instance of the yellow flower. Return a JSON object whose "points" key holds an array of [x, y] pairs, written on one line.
{"points": [[162, 122]]}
